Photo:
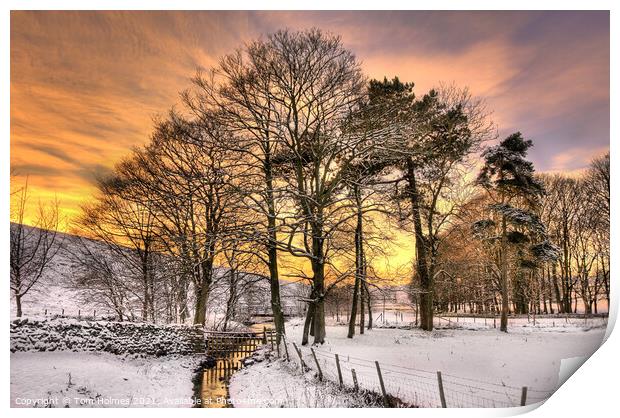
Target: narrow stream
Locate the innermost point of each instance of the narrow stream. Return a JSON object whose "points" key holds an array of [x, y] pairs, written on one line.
{"points": [[214, 390]]}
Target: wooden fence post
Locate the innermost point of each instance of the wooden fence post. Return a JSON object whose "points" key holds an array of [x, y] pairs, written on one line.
{"points": [[355, 385], [339, 371], [523, 395], [385, 398], [301, 360], [442, 396], [318, 366], [285, 347]]}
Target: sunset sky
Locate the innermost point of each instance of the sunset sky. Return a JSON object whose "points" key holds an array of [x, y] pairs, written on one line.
{"points": [[86, 85]]}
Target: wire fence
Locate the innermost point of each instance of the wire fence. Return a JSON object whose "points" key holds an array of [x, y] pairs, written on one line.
{"points": [[408, 319], [538, 321], [409, 387], [389, 319], [77, 313]]}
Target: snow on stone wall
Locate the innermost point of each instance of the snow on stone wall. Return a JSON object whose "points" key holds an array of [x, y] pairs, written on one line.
{"points": [[30, 334]]}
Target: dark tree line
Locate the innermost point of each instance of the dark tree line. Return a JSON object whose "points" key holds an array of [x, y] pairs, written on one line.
{"points": [[545, 249]]}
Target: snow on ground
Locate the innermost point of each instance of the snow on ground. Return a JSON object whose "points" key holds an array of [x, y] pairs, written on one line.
{"points": [[100, 380], [497, 364], [278, 384], [405, 317]]}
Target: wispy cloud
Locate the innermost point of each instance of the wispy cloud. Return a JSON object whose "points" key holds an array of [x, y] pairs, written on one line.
{"points": [[86, 85]]}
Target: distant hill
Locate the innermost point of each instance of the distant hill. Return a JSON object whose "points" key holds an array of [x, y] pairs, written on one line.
{"points": [[56, 293]]}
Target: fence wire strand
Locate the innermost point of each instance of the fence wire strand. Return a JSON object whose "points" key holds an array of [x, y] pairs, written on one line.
{"points": [[411, 386]]}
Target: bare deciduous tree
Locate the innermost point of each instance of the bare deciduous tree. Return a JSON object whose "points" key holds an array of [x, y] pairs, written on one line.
{"points": [[32, 248]]}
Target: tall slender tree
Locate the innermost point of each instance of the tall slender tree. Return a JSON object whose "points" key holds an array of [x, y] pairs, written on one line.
{"points": [[424, 142], [240, 89], [510, 182]]}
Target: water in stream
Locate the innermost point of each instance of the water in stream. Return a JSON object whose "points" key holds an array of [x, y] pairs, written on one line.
{"points": [[214, 390]]}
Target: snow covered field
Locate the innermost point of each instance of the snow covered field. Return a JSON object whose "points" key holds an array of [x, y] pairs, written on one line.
{"points": [[405, 317], [100, 380], [480, 366]]}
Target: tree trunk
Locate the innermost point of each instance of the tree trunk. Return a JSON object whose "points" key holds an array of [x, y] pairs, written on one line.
{"points": [[231, 301], [274, 277], [319, 306], [504, 277], [566, 273], [426, 284], [200, 313], [151, 295], [353, 315], [18, 304], [362, 313], [556, 289], [359, 248], [605, 281], [309, 320], [276, 304], [318, 281], [182, 299], [145, 290], [319, 322], [369, 306]]}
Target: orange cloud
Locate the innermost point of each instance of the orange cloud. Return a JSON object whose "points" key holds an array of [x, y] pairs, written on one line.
{"points": [[86, 85]]}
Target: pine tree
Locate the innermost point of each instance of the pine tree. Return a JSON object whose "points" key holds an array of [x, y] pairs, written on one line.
{"points": [[423, 141], [515, 193]]}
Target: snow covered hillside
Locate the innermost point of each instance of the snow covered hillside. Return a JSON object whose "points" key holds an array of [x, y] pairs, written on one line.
{"points": [[57, 294]]}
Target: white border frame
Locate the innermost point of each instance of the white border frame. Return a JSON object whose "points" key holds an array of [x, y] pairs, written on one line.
{"points": [[590, 392]]}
